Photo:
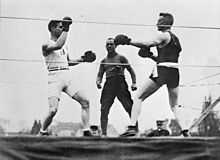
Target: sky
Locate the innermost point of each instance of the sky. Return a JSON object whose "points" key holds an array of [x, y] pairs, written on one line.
{"points": [[23, 84]]}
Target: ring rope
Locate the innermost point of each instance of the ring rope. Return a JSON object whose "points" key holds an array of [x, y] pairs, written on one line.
{"points": [[110, 23]]}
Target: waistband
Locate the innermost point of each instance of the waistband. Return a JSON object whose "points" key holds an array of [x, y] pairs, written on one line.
{"points": [[115, 76], [51, 69], [169, 64]]}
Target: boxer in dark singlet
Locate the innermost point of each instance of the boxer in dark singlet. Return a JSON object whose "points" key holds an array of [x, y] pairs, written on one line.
{"points": [[166, 72]]}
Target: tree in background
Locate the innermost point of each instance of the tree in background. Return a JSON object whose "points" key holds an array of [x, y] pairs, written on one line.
{"points": [[210, 126]]}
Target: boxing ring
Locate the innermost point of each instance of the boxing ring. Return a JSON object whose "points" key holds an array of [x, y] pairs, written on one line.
{"points": [[66, 148], [29, 147]]}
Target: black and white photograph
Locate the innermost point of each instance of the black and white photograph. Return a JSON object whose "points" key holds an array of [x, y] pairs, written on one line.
{"points": [[113, 79]]}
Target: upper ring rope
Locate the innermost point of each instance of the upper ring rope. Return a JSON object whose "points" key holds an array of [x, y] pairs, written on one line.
{"points": [[110, 23]]}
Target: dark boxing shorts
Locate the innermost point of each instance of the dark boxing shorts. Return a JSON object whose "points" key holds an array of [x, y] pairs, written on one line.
{"points": [[166, 75]]}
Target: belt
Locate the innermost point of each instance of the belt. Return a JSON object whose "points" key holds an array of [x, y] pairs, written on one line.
{"points": [[169, 64], [57, 68]]}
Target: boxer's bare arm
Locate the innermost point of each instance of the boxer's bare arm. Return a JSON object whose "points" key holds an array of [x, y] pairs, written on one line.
{"points": [[159, 39], [47, 48]]}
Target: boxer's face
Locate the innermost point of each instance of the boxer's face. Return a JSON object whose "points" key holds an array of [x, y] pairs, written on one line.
{"points": [[160, 22], [110, 45], [58, 29]]}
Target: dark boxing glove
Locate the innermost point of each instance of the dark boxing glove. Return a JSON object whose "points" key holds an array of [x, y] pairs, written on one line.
{"points": [[89, 56], [122, 39], [145, 52], [66, 22]]}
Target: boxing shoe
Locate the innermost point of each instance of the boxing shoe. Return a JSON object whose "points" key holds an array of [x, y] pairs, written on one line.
{"points": [[87, 133], [130, 132], [43, 133]]}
